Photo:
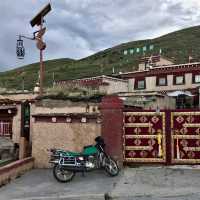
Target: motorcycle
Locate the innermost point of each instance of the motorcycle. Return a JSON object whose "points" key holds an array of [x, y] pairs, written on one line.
{"points": [[67, 163]]}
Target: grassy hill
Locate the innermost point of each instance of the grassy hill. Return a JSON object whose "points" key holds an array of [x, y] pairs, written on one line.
{"points": [[177, 46]]}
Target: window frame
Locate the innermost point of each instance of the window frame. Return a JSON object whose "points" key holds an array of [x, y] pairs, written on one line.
{"points": [[193, 78], [6, 128], [158, 83], [175, 78], [136, 84]]}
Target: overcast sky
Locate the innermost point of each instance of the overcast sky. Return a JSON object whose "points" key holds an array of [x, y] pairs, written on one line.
{"points": [[78, 28]]}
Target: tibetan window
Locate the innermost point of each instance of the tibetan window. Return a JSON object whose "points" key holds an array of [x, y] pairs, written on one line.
{"points": [[140, 84], [179, 80], [196, 78], [161, 81]]}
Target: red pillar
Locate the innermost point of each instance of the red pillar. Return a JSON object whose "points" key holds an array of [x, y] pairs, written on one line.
{"points": [[112, 126]]}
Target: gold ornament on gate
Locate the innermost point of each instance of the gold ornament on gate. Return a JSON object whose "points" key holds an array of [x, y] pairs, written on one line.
{"points": [[159, 138], [177, 149]]}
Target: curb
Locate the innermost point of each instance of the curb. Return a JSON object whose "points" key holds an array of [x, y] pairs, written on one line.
{"points": [[68, 197], [192, 167], [176, 195]]}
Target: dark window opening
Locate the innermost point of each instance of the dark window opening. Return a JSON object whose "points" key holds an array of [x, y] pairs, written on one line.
{"points": [[140, 84], [161, 81], [196, 78]]}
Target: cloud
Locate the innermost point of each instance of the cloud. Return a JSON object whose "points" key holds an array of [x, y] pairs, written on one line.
{"points": [[79, 28]]}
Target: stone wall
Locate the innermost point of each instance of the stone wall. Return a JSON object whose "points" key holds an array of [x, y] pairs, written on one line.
{"points": [[54, 131]]}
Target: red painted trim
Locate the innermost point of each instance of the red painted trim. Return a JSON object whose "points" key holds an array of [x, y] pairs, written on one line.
{"points": [[163, 71], [111, 102], [90, 82], [15, 164]]}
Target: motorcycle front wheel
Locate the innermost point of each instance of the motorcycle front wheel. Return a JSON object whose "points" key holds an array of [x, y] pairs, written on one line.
{"points": [[111, 167], [62, 175]]}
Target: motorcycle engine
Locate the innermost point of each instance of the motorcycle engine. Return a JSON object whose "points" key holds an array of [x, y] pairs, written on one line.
{"points": [[90, 163]]}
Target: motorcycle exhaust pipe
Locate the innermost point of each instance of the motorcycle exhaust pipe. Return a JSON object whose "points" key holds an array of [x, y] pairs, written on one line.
{"points": [[74, 168]]}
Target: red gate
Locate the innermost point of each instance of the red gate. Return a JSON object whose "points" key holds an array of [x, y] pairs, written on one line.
{"points": [[185, 137], [144, 137], [151, 138], [167, 137]]}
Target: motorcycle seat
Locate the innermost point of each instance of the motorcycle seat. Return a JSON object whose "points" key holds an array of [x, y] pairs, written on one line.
{"points": [[71, 153], [85, 147]]}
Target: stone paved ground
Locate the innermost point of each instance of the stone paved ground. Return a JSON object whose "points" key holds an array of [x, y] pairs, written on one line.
{"points": [[139, 183]]}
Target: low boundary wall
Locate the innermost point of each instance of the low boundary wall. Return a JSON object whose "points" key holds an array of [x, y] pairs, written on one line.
{"points": [[15, 169]]}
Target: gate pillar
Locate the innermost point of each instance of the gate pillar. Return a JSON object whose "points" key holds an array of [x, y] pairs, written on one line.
{"points": [[112, 126]]}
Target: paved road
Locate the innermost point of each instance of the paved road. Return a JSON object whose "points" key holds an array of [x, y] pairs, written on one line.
{"points": [[155, 183], [40, 184], [142, 183]]}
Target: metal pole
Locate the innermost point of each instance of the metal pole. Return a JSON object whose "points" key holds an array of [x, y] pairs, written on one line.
{"points": [[23, 83], [53, 79], [41, 64]]}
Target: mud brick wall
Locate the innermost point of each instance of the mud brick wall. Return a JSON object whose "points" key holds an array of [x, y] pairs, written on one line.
{"points": [[70, 132]]}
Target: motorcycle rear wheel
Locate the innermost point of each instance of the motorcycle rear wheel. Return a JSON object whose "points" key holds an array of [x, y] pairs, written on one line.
{"points": [[111, 167], [62, 175]]}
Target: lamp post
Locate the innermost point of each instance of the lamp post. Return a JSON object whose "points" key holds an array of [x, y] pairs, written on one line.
{"points": [[41, 46], [38, 37]]}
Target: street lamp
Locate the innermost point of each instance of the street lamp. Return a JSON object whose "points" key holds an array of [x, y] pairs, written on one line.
{"points": [[20, 50], [37, 36]]}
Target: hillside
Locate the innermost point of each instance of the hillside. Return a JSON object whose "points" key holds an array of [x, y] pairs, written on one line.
{"points": [[177, 45]]}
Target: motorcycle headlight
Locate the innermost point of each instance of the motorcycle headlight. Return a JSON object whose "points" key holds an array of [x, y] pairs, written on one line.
{"points": [[81, 158]]}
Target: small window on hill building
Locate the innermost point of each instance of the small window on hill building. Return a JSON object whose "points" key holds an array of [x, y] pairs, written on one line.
{"points": [[161, 81], [179, 80], [196, 78], [140, 84]]}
